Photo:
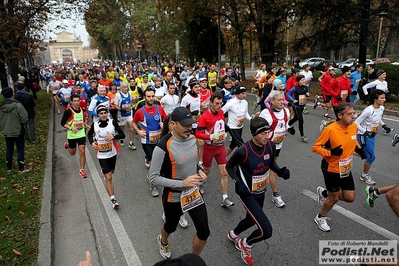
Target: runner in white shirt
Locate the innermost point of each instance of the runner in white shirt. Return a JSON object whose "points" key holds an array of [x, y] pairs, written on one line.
{"points": [[308, 77], [237, 110], [278, 117], [54, 85], [170, 101], [192, 102], [378, 84]]}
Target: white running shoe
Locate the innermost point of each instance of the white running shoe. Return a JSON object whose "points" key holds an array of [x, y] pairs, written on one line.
{"points": [[322, 223], [278, 201], [183, 221], [367, 179], [164, 249], [320, 198]]}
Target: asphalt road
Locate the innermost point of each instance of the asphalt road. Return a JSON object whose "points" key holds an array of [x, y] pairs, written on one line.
{"points": [[84, 218]]}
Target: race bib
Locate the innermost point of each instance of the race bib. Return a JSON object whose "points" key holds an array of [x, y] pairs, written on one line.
{"points": [[104, 145], [196, 117], [66, 99], [126, 106], [302, 99], [345, 166], [212, 80], [155, 136], [374, 126], [220, 140], [259, 182], [278, 137], [344, 94], [240, 120], [190, 198], [135, 99], [78, 124]]}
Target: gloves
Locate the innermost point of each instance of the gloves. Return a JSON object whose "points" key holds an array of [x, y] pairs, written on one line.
{"points": [[241, 189], [339, 98], [370, 134], [215, 136], [284, 173], [354, 92], [352, 85], [361, 152], [337, 151], [289, 103], [123, 111], [386, 128]]}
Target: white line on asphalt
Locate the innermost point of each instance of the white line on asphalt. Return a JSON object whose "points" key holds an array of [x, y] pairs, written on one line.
{"points": [[370, 225], [124, 241], [391, 119]]}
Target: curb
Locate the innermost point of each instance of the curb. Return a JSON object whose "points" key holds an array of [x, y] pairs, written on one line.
{"points": [[46, 239]]}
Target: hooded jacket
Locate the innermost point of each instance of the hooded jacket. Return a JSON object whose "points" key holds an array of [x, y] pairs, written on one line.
{"points": [[12, 116]]}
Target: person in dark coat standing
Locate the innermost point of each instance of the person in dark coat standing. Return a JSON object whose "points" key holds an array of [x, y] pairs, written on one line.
{"points": [[29, 104]]}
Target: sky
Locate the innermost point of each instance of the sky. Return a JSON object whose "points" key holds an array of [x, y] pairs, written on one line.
{"points": [[73, 27]]}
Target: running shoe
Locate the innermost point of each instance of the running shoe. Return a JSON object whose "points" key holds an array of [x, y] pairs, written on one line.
{"points": [[395, 140], [226, 203], [146, 162], [82, 173], [183, 221], [371, 195], [323, 125], [8, 171], [246, 251], [320, 198], [66, 145], [122, 143], [201, 188], [25, 170], [327, 116], [291, 130], [115, 205], [233, 239], [278, 201], [154, 191], [316, 103], [164, 249], [390, 129], [305, 111], [367, 179], [304, 139], [58, 112], [131, 145], [255, 106], [322, 223]]}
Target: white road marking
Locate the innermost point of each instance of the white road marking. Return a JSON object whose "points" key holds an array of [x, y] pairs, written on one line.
{"points": [[370, 225], [124, 241]]}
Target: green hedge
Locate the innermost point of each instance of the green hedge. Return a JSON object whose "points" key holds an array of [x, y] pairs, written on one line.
{"points": [[392, 77]]}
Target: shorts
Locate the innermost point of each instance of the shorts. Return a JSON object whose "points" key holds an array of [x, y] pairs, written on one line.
{"points": [[213, 88], [335, 183], [210, 152], [236, 140], [327, 98], [198, 215], [368, 145], [107, 165], [123, 121], [80, 141]]}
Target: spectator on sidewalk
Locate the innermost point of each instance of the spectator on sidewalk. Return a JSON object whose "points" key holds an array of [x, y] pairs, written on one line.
{"points": [[29, 104]]}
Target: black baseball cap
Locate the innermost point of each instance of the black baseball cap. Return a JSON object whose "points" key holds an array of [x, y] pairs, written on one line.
{"points": [[183, 116]]}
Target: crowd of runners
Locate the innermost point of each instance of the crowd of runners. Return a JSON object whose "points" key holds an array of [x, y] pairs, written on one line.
{"points": [[185, 115]]}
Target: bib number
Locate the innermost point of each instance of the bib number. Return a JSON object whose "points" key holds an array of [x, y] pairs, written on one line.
{"points": [[155, 136], [278, 137], [344, 94], [104, 145], [190, 198], [302, 99], [127, 106], [240, 120], [374, 126], [345, 166], [259, 182], [78, 124]]}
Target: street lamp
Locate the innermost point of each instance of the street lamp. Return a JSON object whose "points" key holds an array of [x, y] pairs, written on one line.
{"points": [[381, 15]]}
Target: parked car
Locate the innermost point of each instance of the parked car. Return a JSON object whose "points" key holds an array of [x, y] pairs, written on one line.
{"points": [[369, 62], [382, 60], [311, 61], [320, 66], [347, 63], [395, 63]]}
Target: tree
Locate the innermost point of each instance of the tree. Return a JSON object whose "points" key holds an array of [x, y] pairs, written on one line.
{"points": [[22, 28]]}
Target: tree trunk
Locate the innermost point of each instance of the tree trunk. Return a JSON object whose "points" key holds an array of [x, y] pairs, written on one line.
{"points": [[266, 38], [241, 55], [364, 24], [3, 72]]}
